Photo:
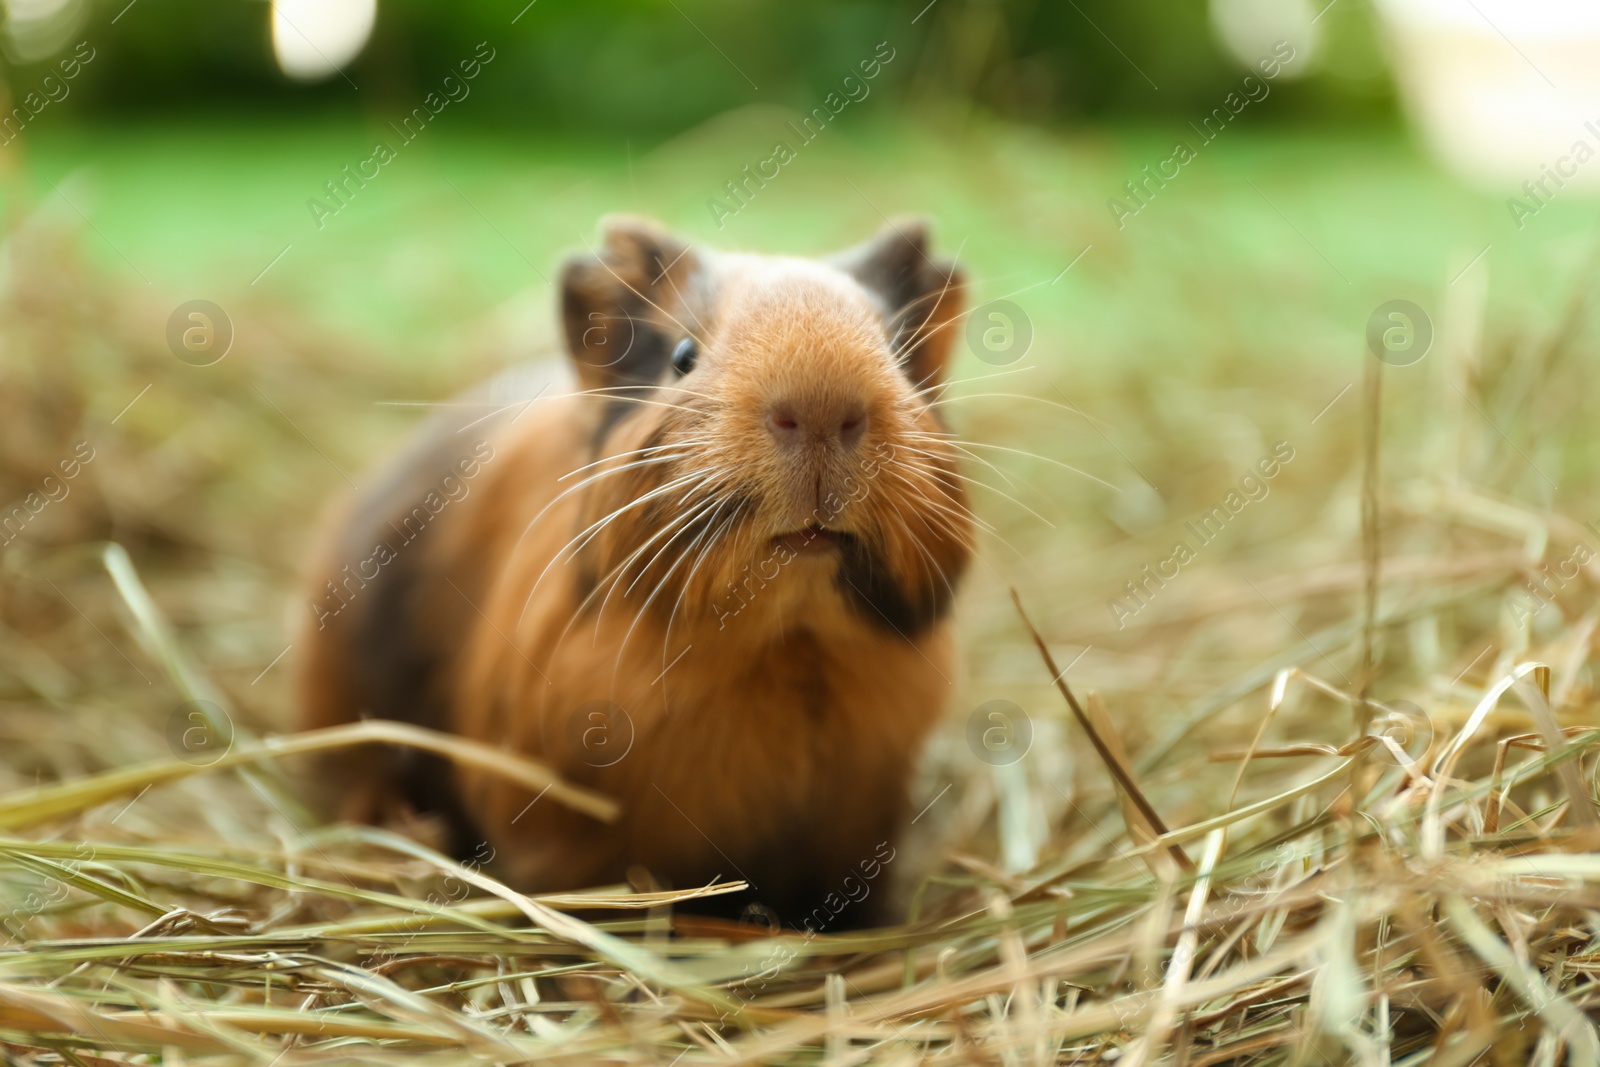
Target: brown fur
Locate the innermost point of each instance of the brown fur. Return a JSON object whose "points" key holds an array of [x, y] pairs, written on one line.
{"points": [[777, 698]]}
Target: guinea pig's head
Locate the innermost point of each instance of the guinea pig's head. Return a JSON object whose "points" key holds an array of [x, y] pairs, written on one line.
{"points": [[767, 431]]}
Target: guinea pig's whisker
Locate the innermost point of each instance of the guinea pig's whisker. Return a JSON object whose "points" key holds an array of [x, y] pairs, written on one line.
{"points": [[667, 535], [666, 453], [920, 474], [593, 479], [704, 480], [999, 396], [933, 565], [1035, 455], [624, 392], [647, 450], [946, 523], [584, 536], [711, 403], [954, 319], [929, 326], [951, 442], [690, 493], [688, 581], [920, 394], [670, 317], [951, 516], [941, 526], [595, 528], [930, 438], [682, 300], [711, 534], [648, 402], [999, 492], [608, 582], [942, 460], [920, 489], [706, 517], [699, 510], [652, 457], [949, 519], [704, 513], [933, 299], [660, 585], [656, 400]]}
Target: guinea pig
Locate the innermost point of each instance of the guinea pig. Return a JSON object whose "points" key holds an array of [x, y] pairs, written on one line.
{"points": [[709, 574]]}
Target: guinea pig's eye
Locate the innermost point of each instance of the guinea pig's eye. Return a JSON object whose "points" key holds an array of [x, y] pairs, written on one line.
{"points": [[684, 355]]}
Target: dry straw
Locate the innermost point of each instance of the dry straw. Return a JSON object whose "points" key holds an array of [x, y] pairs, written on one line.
{"points": [[1240, 875]]}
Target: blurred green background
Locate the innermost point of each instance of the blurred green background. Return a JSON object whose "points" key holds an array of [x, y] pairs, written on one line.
{"points": [[1223, 315], [1012, 123]]}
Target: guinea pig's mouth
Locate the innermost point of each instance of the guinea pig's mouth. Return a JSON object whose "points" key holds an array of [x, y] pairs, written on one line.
{"points": [[812, 538]]}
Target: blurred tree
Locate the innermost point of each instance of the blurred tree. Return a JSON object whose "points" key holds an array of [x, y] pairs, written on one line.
{"points": [[656, 67]]}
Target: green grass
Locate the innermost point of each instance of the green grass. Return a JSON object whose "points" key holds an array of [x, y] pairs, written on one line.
{"points": [[1274, 238]]}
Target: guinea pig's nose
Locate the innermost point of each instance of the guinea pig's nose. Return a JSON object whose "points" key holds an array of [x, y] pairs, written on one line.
{"points": [[791, 424]]}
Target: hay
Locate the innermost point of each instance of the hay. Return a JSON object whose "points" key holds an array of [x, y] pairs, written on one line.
{"points": [[1270, 885]]}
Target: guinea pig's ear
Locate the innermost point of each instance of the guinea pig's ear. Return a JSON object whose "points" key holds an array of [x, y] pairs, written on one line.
{"points": [[625, 305], [921, 296]]}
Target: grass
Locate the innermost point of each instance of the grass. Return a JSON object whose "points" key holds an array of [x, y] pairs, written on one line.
{"points": [[1280, 819]]}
